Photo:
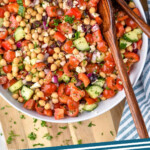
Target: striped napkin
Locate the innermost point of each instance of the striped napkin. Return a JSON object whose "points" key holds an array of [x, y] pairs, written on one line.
{"points": [[127, 128]]}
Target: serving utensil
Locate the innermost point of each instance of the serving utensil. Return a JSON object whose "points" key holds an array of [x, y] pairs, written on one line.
{"points": [[109, 32], [140, 22]]}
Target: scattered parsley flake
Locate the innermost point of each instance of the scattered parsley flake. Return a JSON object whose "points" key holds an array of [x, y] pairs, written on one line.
{"points": [[34, 120], [65, 127], [2, 108], [6, 113], [32, 136], [11, 136], [36, 129], [15, 122], [111, 132], [75, 127], [102, 133], [43, 124], [80, 141], [22, 117], [66, 142], [1, 134], [77, 35], [59, 133], [22, 140], [91, 124], [38, 144], [56, 22], [69, 19], [48, 136], [79, 122]]}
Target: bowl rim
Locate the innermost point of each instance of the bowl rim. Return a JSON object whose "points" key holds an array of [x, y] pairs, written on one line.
{"points": [[45, 118]]}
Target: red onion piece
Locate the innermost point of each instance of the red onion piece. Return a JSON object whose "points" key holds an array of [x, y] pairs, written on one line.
{"points": [[134, 45], [44, 25], [55, 79], [89, 75], [95, 28], [19, 44], [78, 83]]}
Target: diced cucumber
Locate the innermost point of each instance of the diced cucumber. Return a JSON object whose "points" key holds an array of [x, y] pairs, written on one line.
{"points": [[81, 44], [1, 22], [100, 82], [26, 93], [16, 86], [21, 11], [124, 43], [138, 31], [94, 91], [131, 36], [90, 107], [19, 34], [65, 78], [100, 57]]}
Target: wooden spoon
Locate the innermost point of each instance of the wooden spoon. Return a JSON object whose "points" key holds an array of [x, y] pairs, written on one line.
{"points": [[140, 22], [109, 32]]}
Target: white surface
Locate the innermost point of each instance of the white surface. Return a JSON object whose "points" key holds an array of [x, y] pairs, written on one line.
{"points": [[104, 105]]}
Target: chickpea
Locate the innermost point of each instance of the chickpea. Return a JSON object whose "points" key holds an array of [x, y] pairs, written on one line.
{"points": [[38, 17], [7, 14], [93, 22], [15, 74], [28, 53], [92, 10], [33, 55], [42, 102], [122, 51], [102, 74], [128, 29], [28, 78], [37, 90], [35, 79], [132, 5], [87, 21], [40, 56], [11, 41], [9, 76], [34, 13], [27, 2], [54, 95], [55, 100], [15, 96], [52, 32], [50, 60], [61, 5], [6, 23], [40, 10], [44, 33], [35, 97], [113, 76], [16, 60], [123, 23], [41, 38], [130, 48], [55, 56], [37, 50], [103, 98], [20, 99], [41, 74], [29, 10], [6, 1], [39, 30], [46, 39], [56, 49], [35, 36], [30, 46], [22, 24], [27, 67], [40, 94], [47, 106], [26, 48], [15, 69], [57, 63], [27, 16], [53, 67], [75, 52], [84, 63], [41, 81], [82, 34], [3, 62], [18, 18], [33, 70], [28, 36], [14, 47]]}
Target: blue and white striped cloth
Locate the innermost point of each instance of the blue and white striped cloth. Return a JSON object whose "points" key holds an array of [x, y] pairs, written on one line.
{"points": [[127, 128]]}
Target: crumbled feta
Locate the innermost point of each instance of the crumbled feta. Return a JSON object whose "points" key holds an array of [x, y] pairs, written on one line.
{"points": [[80, 56], [80, 70], [93, 48], [75, 3], [35, 85], [45, 4], [125, 60], [69, 36], [79, 28], [68, 56], [65, 5], [26, 60], [62, 63], [95, 15], [81, 106], [18, 53]]}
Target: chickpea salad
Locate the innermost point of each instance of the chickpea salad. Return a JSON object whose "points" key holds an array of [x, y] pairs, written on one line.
{"points": [[54, 59]]}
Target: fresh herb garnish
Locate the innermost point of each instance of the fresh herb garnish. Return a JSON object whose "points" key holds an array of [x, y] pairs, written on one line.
{"points": [[48, 136], [15, 122], [35, 45], [1, 134], [91, 124], [22, 140], [22, 117], [80, 141], [79, 122], [11, 137], [43, 124], [32, 136], [6, 113], [69, 19], [56, 22], [111, 132], [77, 35], [65, 127], [2, 108], [59, 133], [75, 127], [34, 120], [38, 144]]}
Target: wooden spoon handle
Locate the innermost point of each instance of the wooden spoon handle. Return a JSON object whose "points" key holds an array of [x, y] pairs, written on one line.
{"points": [[131, 99], [141, 23]]}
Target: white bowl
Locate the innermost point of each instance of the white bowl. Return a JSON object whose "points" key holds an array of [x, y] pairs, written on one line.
{"points": [[104, 105]]}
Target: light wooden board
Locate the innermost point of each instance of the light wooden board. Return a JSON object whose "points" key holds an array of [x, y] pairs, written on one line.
{"points": [[104, 124]]}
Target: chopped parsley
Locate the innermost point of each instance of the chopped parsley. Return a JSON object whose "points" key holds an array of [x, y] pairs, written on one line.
{"points": [[65, 127], [22, 117], [22, 140], [69, 19], [32, 136], [15, 122], [6, 113], [36, 129], [38, 144], [35, 45], [102, 133], [2, 108], [34, 120], [43, 124], [59, 133], [11, 137], [80, 141], [75, 127], [77, 35], [48, 136], [56, 22], [111, 132], [79, 122], [91, 124]]}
